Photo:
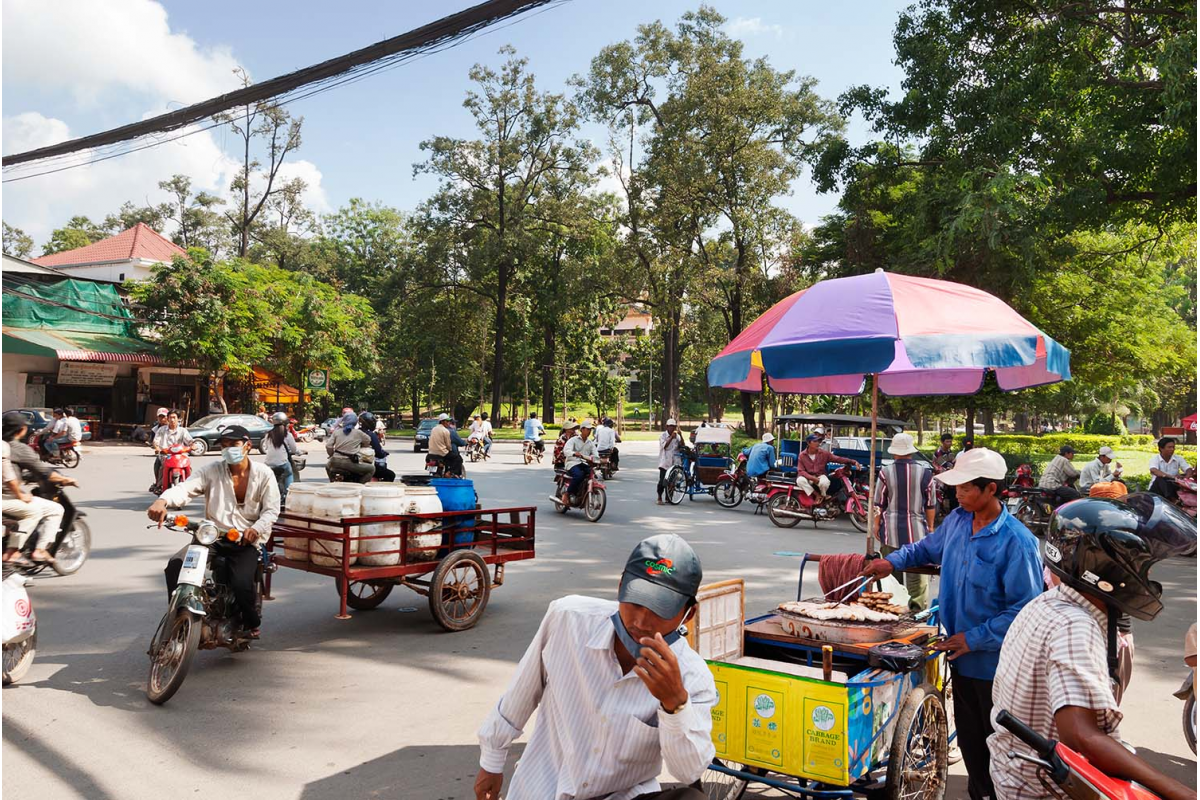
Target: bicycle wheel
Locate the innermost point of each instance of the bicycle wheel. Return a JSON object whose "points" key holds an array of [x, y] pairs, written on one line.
{"points": [[676, 486]]}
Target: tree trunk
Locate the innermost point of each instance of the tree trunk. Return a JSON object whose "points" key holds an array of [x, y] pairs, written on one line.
{"points": [[748, 414], [919, 419], [547, 375], [1021, 422], [416, 404], [498, 362], [969, 427], [989, 422], [670, 376]]}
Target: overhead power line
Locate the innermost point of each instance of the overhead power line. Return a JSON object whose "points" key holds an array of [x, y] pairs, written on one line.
{"points": [[442, 30]]}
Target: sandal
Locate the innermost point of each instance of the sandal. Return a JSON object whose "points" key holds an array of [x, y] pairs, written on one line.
{"points": [[255, 633], [48, 559]]}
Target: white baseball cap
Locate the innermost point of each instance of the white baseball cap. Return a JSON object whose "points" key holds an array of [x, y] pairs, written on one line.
{"points": [[768, 437], [977, 463], [819, 429], [443, 417], [671, 422], [902, 445], [587, 423], [162, 412], [1107, 451]]}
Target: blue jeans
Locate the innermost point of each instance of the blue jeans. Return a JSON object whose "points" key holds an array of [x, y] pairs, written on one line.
{"points": [[283, 474], [579, 475], [54, 442]]}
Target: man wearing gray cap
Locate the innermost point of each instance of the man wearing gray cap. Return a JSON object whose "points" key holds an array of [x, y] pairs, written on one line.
{"points": [[619, 692]]}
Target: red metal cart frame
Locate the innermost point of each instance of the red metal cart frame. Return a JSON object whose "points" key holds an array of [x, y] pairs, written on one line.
{"points": [[458, 584]]}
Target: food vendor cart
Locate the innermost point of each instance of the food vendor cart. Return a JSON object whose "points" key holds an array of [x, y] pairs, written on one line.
{"points": [[822, 709]]}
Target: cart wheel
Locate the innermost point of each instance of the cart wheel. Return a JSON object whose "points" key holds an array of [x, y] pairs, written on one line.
{"points": [[363, 596], [676, 486], [719, 786], [459, 590], [781, 502], [728, 494], [918, 759]]}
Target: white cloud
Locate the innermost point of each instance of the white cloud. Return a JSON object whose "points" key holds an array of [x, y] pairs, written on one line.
{"points": [[126, 54], [90, 50], [753, 26]]}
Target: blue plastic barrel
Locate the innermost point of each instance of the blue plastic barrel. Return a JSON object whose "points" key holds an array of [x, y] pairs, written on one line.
{"points": [[456, 494]]}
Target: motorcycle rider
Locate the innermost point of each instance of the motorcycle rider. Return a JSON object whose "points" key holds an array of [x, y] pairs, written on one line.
{"points": [[344, 445], [54, 434], [483, 432], [534, 431], [1099, 471], [1056, 663], [280, 446], [444, 442], [943, 457], [579, 455], [1059, 476], [568, 432], [810, 466], [366, 421], [606, 442], [762, 457], [239, 494], [28, 509], [1165, 467], [167, 436]]}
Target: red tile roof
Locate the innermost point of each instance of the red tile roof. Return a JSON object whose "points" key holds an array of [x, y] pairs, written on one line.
{"points": [[140, 241]]}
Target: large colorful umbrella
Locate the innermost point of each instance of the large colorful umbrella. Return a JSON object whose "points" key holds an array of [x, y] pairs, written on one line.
{"points": [[916, 336]]}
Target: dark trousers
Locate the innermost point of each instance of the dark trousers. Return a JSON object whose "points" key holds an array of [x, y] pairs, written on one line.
{"points": [[662, 482], [454, 463], [384, 474], [579, 475], [973, 718], [158, 462], [613, 456], [1065, 494], [693, 792], [1165, 488], [242, 561]]}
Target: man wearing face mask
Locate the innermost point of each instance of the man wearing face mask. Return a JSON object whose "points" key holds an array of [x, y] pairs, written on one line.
{"points": [[239, 494], [618, 691]]}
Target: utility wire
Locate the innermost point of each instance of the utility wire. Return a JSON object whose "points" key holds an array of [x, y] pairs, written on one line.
{"points": [[439, 32]]}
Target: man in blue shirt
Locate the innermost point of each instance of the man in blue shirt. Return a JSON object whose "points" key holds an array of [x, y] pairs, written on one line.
{"points": [[762, 457], [534, 432], [990, 570]]}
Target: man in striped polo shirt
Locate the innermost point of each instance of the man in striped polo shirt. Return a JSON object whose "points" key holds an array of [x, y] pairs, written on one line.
{"points": [[905, 499]]}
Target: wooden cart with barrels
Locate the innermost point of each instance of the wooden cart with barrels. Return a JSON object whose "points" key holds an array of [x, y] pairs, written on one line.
{"points": [[432, 556], [822, 709]]}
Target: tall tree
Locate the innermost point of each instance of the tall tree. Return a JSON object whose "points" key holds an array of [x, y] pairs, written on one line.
{"points": [[78, 232], [197, 220], [130, 215], [491, 185], [255, 182], [17, 242]]}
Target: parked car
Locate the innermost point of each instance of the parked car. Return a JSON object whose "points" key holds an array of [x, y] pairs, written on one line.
{"points": [[206, 431], [421, 440], [39, 418]]}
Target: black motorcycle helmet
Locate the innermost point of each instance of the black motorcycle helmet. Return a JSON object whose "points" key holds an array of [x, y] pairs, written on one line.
{"points": [[13, 422], [366, 421], [1105, 548]]}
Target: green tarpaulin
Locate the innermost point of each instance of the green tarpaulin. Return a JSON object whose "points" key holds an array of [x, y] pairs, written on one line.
{"points": [[67, 305]]}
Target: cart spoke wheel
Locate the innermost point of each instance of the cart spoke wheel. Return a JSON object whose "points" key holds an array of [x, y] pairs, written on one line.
{"points": [[720, 786], [363, 596], [459, 590], [918, 759]]}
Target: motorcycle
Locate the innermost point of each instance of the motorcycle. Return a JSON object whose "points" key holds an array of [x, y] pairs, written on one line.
{"points": [[475, 449], [734, 484], [176, 467], [1185, 488], [20, 628], [68, 453], [436, 467], [593, 500], [71, 545], [1187, 693], [606, 467], [1034, 508], [531, 451], [787, 504], [1068, 770], [202, 612]]}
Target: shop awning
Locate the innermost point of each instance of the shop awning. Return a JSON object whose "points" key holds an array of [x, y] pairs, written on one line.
{"points": [[271, 388], [79, 346]]}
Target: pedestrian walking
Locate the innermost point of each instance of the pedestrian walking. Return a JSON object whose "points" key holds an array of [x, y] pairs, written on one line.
{"points": [[669, 443]]}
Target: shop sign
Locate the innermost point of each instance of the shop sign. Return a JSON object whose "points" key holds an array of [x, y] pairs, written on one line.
{"points": [[317, 379], [74, 373]]}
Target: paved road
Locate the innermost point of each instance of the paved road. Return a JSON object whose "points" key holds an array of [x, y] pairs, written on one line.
{"points": [[384, 705]]}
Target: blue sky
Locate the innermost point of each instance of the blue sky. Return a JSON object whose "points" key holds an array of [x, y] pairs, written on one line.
{"points": [[71, 68]]}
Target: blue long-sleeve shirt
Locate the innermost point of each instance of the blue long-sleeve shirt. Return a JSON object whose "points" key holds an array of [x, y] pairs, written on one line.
{"points": [[986, 579], [762, 458], [456, 441], [380, 453]]}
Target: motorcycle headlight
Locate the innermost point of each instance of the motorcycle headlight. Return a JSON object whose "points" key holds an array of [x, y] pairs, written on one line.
{"points": [[207, 533]]}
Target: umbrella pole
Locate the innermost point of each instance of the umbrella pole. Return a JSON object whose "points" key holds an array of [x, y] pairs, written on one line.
{"points": [[871, 467]]}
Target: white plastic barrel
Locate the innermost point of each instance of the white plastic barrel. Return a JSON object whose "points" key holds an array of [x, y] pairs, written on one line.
{"points": [[380, 499], [425, 533], [300, 502], [332, 503]]}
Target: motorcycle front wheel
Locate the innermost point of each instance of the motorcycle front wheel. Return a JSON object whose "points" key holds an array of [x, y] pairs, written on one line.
{"points": [[18, 658], [781, 502], [858, 516], [728, 494], [178, 641], [74, 549], [595, 503]]}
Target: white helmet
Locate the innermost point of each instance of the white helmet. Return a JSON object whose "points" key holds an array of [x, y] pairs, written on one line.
{"points": [[768, 437]]}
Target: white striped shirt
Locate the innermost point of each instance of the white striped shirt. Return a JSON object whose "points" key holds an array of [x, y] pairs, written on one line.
{"points": [[1055, 654], [600, 734]]}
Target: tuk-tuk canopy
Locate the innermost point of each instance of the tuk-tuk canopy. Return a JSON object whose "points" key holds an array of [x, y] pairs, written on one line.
{"points": [[713, 434], [842, 420]]}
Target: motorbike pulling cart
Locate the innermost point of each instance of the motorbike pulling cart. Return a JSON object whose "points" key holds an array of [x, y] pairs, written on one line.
{"points": [[822, 709]]}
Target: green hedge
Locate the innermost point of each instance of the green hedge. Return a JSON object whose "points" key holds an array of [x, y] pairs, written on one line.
{"points": [[1048, 444]]}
